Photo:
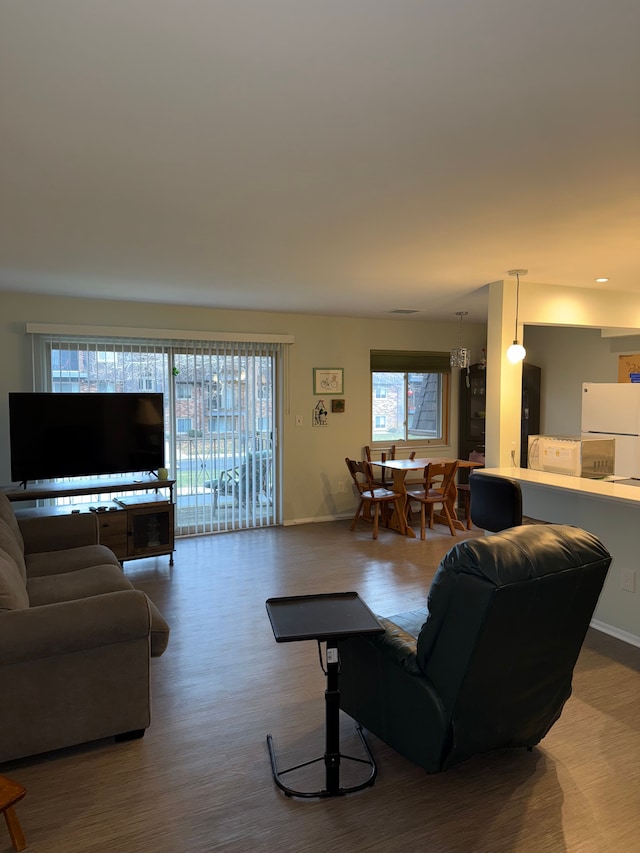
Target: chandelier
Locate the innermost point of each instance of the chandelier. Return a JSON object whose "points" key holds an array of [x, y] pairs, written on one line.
{"points": [[460, 356]]}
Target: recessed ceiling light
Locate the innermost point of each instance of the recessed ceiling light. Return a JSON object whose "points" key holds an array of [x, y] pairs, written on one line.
{"points": [[602, 280]]}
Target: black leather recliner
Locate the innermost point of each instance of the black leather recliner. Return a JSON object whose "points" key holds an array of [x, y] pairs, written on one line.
{"points": [[496, 502], [489, 664]]}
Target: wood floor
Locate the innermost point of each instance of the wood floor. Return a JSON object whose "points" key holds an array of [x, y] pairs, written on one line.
{"points": [[200, 779]]}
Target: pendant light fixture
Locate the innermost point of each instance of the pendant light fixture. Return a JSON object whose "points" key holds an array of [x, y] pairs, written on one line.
{"points": [[516, 351], [460, 356]]}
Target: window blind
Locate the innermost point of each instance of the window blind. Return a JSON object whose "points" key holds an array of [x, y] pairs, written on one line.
{"points": [[409, 361], [219, 414]]}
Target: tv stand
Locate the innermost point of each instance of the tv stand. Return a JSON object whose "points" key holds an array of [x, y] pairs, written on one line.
{"points": [[133, 526]]}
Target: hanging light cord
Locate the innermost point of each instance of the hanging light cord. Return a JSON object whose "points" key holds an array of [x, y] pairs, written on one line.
{"points": [[516, 352], [467, 381]]}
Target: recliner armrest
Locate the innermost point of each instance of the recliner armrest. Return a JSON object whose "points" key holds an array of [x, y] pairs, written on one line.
{"points": [[398, 646]]}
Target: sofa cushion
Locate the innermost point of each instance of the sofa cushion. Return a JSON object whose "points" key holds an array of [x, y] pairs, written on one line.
{"points": [[85, 583], [8, 515], [69, 586], [13, 593], [9, 543], [69, 560]]}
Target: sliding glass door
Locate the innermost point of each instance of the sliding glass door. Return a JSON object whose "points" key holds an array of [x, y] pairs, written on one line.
{"points": [[219, 416], [223, 445]]}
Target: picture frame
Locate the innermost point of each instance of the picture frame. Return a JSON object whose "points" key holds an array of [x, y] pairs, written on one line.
{"points": [[337, 406], [628, 365], [319, 415], [328, 381]]}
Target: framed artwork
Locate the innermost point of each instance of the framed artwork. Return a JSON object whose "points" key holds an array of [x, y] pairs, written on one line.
{"points": [[328, 380], [627, 365], [337, 406], [320, 415]]}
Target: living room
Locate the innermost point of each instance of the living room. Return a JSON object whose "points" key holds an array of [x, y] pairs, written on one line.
{"points": [[310, 171], [267, 563]]}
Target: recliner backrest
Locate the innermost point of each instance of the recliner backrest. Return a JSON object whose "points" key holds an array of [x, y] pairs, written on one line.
{"points": [[496, 502], [507, 618]]}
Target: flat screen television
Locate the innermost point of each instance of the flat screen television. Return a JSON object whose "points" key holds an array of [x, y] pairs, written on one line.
{"points": [[84, 434]]}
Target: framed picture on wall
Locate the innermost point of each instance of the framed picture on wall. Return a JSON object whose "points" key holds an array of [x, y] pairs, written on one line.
{"points": [[337, 406], [628, 368], [328, 380], [320, 415]]}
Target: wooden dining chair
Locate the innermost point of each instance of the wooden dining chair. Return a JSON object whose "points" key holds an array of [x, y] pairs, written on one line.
{"points": [[438, 482], [410, 481], [465, 490], [373, 499], [383, 479], [11, 793]]}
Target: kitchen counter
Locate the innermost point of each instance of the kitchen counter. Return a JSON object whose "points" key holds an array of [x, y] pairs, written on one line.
{"points": [[608, 508], [612, 488]]}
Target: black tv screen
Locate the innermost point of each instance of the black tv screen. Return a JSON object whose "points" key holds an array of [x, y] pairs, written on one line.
{"points": [[84, 434]]}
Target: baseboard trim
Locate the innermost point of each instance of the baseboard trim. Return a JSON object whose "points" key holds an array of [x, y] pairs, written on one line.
{"points": [[625, 636], [314, 520]]}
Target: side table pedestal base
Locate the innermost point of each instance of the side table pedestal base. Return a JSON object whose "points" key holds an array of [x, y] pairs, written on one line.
{"points": [[332, 765]]}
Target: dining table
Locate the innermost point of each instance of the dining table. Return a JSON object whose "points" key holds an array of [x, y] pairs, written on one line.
{"points": [[399, 469]]}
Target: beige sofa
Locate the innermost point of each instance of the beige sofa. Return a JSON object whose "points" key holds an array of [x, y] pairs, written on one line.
{"points": [[76, 638]]}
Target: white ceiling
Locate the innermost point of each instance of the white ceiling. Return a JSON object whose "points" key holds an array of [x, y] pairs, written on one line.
{"points": [[328, 156]]}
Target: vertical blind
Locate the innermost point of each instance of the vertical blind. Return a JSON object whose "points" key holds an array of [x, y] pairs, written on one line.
{"points": [[219, 414]]}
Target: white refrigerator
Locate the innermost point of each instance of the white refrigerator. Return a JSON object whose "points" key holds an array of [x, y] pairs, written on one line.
{"points": [[612, 410]]}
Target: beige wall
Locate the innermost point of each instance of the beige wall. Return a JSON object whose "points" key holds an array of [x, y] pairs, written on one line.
{"points": [[313, 458], [568, 357]]}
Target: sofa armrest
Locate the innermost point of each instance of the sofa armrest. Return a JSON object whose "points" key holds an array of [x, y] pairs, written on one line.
{"points": [[73, 626], [57, 532]]}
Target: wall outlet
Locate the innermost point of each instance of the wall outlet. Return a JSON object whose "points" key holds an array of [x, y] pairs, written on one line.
{"points": [[628, 580], [340, 486]]}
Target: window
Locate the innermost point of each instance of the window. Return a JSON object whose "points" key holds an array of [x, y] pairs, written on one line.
{"points": [[183, 425], [64, 361], [65, 385], [410, 397], [183, 391]]}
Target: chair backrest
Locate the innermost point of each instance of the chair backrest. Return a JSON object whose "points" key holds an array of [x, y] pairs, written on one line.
{"points": [[253, 473], [476, 456], [438, 476], [496, 502], [507, 618], [384, 454], [361, 475], [383, 477]]}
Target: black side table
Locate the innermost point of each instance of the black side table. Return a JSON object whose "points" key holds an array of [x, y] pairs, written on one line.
{"points": [[326, 617]]}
